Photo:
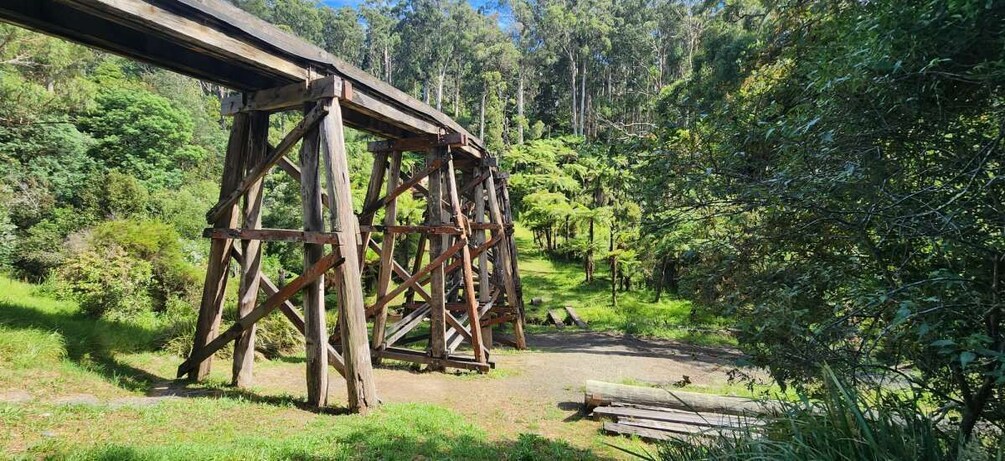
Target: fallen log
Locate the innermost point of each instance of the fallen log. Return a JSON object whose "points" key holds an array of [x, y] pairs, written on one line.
{"points": [[599, 393]]}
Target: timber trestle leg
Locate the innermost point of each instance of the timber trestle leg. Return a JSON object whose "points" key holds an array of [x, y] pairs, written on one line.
{"points": [[458, 300], [249, 158]]}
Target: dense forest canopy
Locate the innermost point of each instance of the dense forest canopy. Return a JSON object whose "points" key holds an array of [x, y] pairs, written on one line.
{"points": [[827, 174]]}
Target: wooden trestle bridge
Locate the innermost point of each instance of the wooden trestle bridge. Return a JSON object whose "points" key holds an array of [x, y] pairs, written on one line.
{"points": [[463, 275]]}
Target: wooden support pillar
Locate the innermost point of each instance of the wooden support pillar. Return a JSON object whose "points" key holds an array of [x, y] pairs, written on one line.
{"points": [[387, 251], [437, 302], [315, 329], [484, 283], [244, 346], [348, 283], [514, 254], [420, 249], [372, 193], [504, 259], [215, 286], [467, 273]]}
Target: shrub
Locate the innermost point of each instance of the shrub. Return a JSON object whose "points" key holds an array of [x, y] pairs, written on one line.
{"points": [[107, 282], [158, 244], [124, 196]]}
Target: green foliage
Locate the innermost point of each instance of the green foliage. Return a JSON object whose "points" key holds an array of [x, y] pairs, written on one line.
{"points": [[107, 282], [844, 424], [143, 135], [156, 243], [841, 178], [123, 196]]}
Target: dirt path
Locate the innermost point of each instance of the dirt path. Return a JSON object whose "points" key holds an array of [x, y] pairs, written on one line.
{"points": [[541, 390]]}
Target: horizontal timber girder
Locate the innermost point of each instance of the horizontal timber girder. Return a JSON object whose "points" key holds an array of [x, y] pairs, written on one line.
{"points": [[215, 41]]}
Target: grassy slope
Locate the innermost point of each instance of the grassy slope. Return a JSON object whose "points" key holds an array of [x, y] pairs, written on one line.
{"points": [[560, 284], [47, 349]]}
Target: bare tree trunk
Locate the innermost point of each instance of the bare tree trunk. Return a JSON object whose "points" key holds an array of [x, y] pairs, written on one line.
{"points": [[582, 102], [481, 116], [572, 73], [519, 110], [387, 64], [457, 95], [440, 78]]}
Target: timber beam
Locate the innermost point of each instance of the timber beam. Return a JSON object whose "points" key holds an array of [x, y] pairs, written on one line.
{"points": [[288, 97], [419, 143], [273, 235]]}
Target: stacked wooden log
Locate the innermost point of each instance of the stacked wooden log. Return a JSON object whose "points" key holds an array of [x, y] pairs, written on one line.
{"points": [[659, 414]]}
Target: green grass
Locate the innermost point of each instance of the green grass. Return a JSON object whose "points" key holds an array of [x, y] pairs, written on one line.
{"points": [[235, 429], [560, 283], [50, 350]]}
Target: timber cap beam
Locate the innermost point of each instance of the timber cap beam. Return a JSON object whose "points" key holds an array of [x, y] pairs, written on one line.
{"points": [[289, 97], [419, 143]]}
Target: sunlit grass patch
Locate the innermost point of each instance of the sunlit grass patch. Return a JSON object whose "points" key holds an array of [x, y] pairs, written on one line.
{"points": [[562, 283]]}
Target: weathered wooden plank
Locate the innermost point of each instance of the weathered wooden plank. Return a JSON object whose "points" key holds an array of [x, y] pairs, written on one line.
{"points": [[437, 262], [467, 272], [251, 265], [674, 416], [408, 355], [273, 235], [377, 173], [310, 121], [215, 286], [386, 251], [556, 318], [599, 393], [309, 276], [423, 229], [434, 217], [214, 41], [574, 316], [403, 187], [315, 329], [401, 272], [478, 238], [348, 283], [419, 143], [512, 297], [286, 97], [406, 324], [642, 432], [420, 251], [290, 312]]}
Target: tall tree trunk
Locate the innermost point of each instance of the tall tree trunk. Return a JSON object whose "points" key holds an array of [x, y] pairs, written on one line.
{"points": [[440, 79], [387, 64], [457, 95], [519, 109], [573, 69], [481, 116], [582, 102]]}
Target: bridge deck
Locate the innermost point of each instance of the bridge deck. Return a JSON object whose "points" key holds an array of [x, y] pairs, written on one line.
{"points": [[215, 41]]}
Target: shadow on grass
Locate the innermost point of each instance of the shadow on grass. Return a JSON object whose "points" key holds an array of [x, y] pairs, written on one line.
{"points": [[90, 343], [378, 438], [94, 343]]}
